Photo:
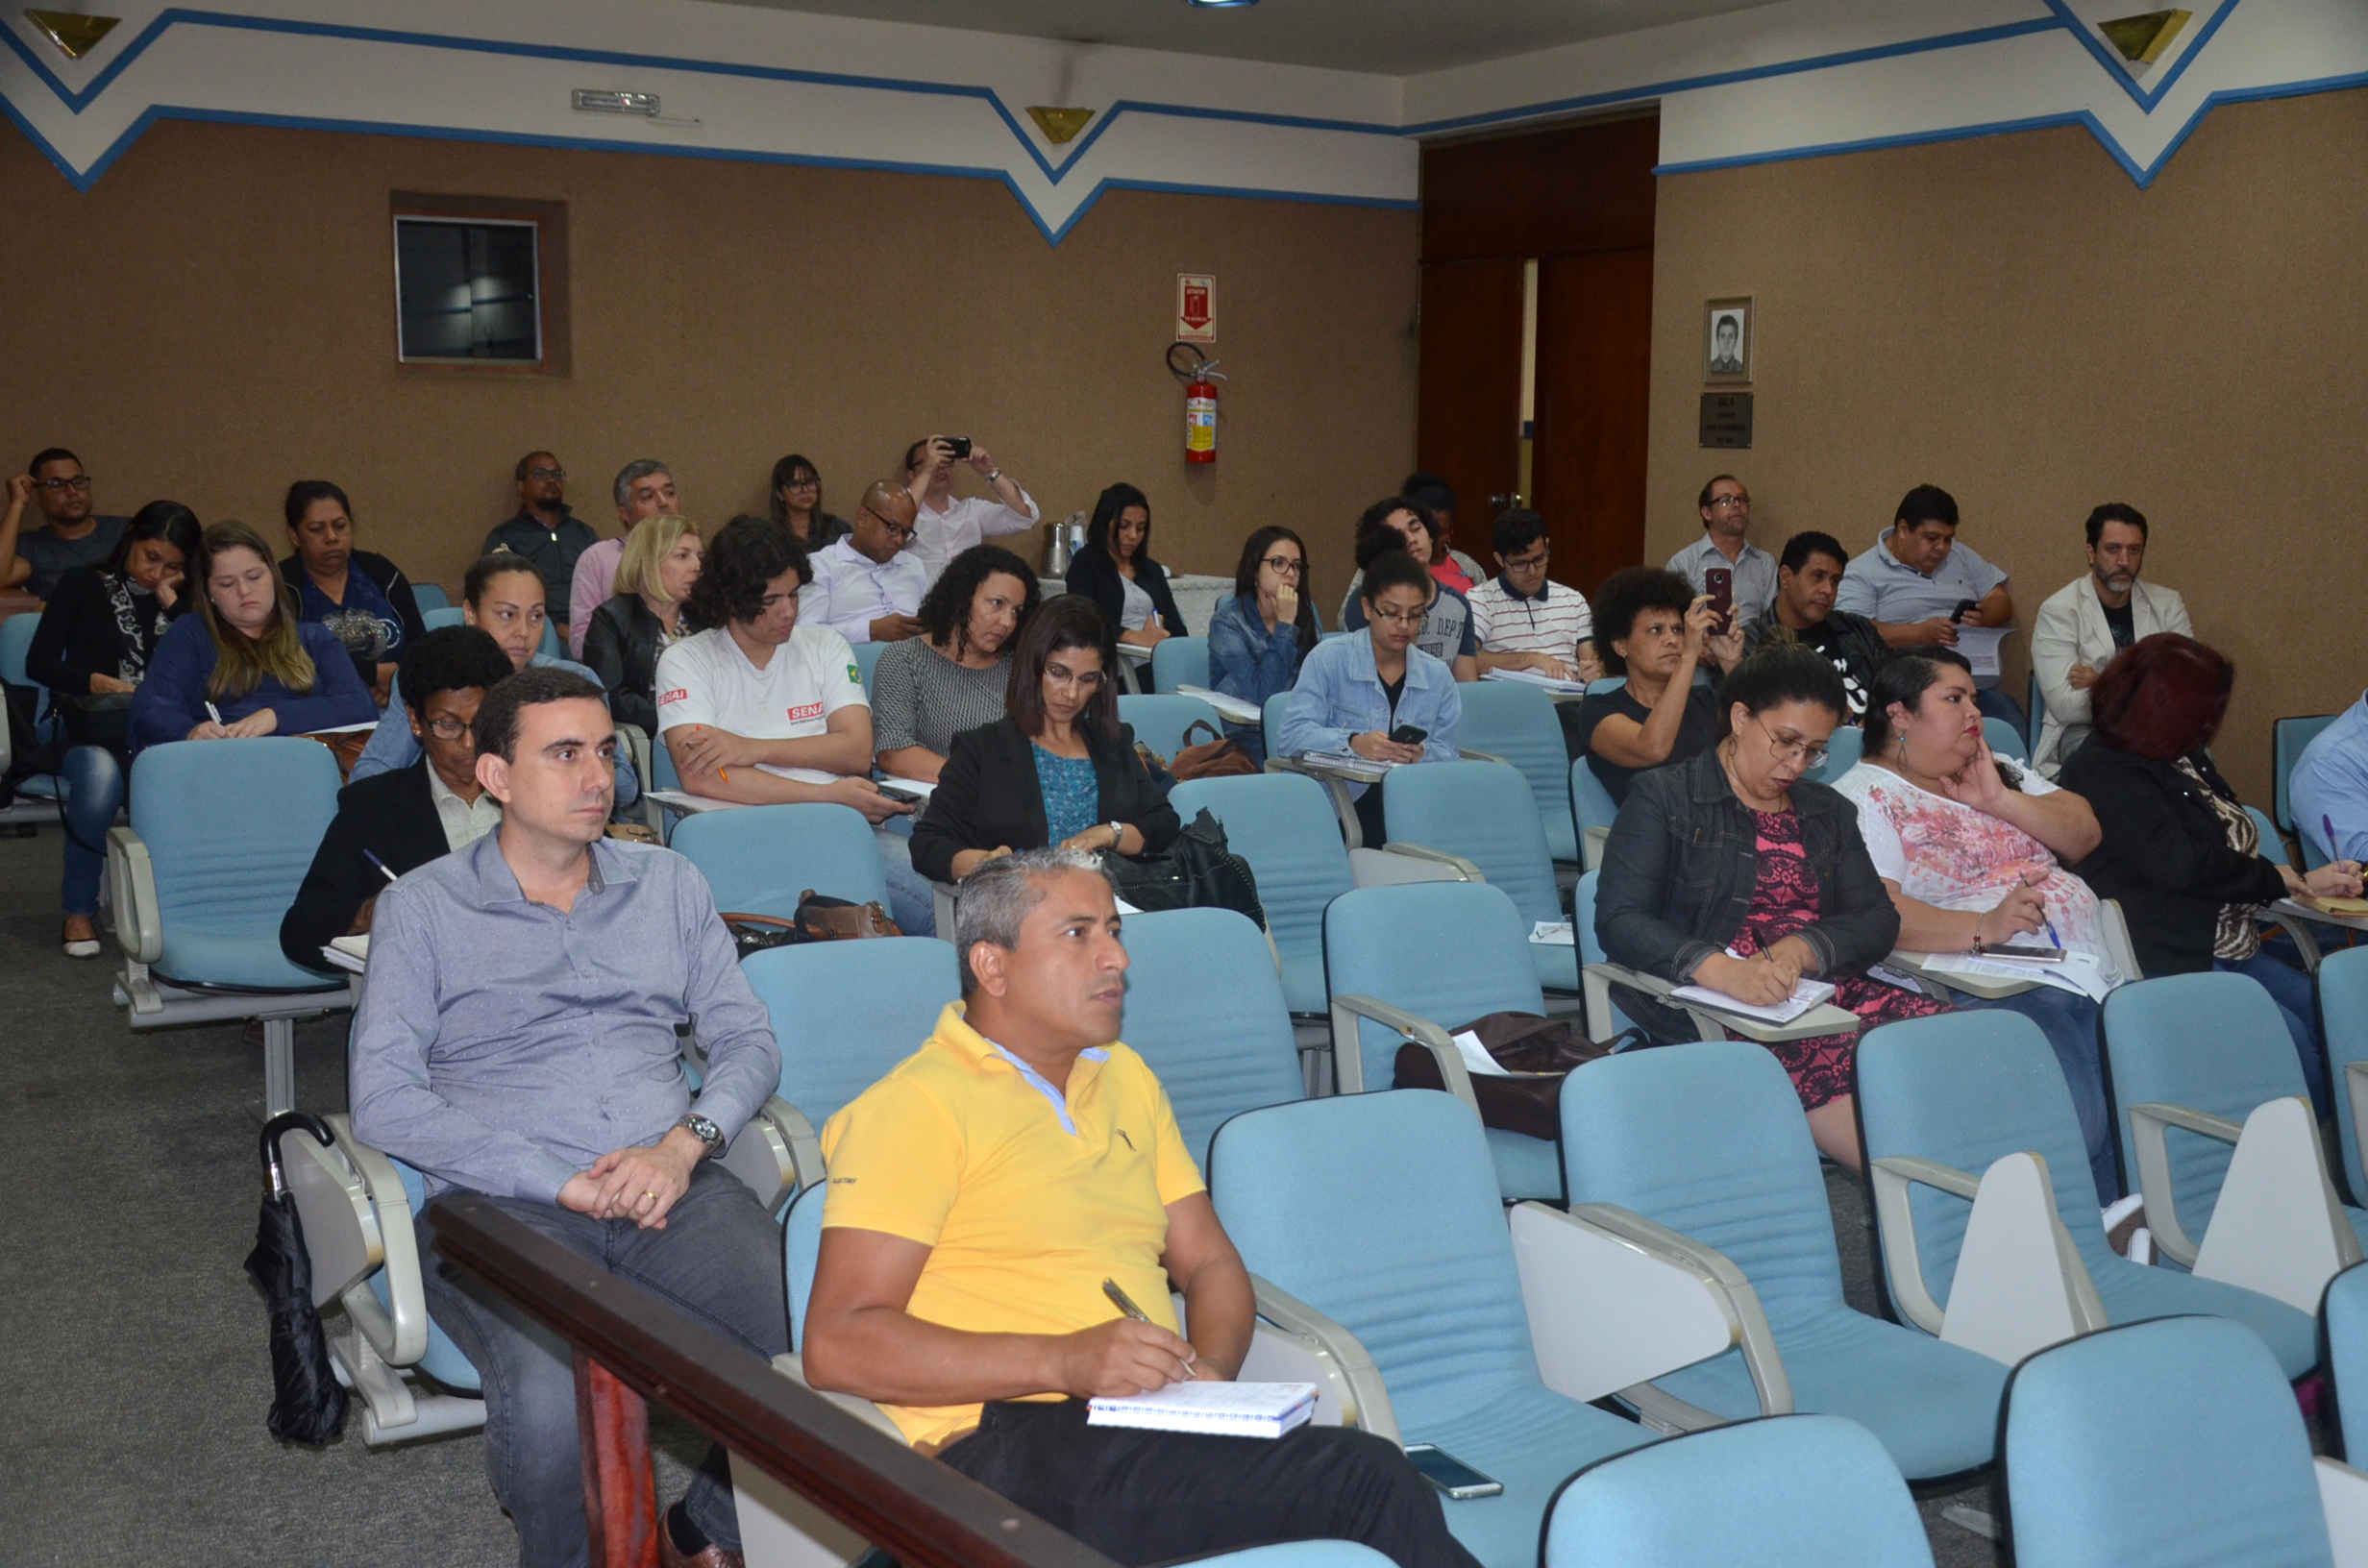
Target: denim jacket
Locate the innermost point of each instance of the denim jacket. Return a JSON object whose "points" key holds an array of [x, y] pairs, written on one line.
{"points": [[1247, 661], [1339, 695], [1683, 862]]}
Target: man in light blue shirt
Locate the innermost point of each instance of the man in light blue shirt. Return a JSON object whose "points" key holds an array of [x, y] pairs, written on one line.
{"points": [[516, 1039], [2329, 789], [1911, 584]]}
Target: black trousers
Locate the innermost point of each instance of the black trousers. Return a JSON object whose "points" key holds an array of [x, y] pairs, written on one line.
{"points": [[1148, 1497], [1369, 819]]}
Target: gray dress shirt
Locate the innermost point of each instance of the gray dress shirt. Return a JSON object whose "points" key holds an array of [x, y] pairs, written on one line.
{"points": [[504, 1046]]}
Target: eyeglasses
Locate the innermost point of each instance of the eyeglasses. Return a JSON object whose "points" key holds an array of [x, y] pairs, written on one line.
{"points": [[1730, 501], [450, 729], [1783, 751], [1283, 566], [801, 481], [1399, 618], [80, 481], [546, 473], [1090, 680], [1534, 562]]}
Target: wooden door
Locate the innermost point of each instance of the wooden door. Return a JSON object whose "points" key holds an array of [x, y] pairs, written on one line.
{"points": [[1595, 373], [1468, 409]]}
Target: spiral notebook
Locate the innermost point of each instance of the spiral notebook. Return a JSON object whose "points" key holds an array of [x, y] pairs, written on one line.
{"points": [[1229, 1410]]}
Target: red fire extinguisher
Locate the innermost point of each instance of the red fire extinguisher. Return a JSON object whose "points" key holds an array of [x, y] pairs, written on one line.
{"points": [[1199, 377]]}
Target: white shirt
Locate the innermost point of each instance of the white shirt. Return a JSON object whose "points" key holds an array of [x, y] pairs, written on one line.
{"points": [[938, 537], [850, 590], [465, 822], [705, 679], [1135, 608], [1556, 620]]}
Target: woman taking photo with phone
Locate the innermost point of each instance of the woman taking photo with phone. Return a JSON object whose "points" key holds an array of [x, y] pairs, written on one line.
{"points": [[1258, 638]]}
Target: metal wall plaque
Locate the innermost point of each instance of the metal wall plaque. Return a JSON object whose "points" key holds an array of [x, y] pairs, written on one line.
{"points": [[1726, 419]]}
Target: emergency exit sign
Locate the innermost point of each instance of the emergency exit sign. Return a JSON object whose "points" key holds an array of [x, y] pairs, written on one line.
{"points": [[1195, 307]]}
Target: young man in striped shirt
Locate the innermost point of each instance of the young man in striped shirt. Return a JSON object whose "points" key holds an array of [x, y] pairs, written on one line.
{"points": [[1523, 621]]}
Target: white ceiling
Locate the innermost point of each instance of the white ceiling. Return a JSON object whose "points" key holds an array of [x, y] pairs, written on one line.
{"points": [[1394, 38]]}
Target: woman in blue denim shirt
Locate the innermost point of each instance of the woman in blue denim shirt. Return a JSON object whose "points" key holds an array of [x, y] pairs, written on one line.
{"points": [[1258, 637], [1354, 693]]}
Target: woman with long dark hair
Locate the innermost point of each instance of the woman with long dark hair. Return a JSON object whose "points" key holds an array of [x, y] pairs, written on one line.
{"points": [[97, 635], [1258, 637], [1058, 769], [795, 498], [2180, 852], [955, 676], [1115, 569]]}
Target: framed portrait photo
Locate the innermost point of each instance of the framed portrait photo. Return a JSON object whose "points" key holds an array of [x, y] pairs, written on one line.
{"points": [[1726, 340]]}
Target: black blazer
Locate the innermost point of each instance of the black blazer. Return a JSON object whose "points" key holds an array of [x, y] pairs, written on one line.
{"points": [[2165, 855], [391, 582], [989, 796], [621, 644], [392, 815], [1096, 575]]}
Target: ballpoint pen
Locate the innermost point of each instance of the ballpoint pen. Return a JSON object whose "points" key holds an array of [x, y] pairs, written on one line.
{"points": [[380, 864], [1124, 1303]]}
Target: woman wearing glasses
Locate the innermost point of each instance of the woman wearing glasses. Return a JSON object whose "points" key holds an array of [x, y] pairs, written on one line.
{"points": [[1258, 637], [797, 500], [1736, 873], [1058, 769]]}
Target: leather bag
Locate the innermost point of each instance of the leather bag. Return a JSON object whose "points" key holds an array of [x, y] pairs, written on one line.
{"points": [[1217, 757], [1539, 1053], [818, 919], [1199, 871]]}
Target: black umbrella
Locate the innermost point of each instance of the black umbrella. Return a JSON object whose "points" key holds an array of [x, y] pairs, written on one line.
{"points": [[308, 1404]]}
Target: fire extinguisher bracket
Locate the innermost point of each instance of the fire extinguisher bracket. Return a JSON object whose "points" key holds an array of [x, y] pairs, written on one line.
{"points": [[1200, 376]]}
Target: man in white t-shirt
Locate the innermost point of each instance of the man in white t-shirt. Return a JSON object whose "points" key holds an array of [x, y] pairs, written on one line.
{"points": [[763, 711], [948, 525]]}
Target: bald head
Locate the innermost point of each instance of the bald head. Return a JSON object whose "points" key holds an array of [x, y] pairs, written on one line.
{"points": [[884, 520]]}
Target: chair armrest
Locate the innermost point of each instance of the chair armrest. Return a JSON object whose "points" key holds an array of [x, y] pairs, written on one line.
{"points": [[945, 899], [340, 1223], [1716, 1024], [1615, 1299], [1936, 986], [1348, 1050], [2019, 1283], [765, 1155], [1895, 1223], [2295, 921], [1388, 868], [1280, 1354], [1366, 1404], [398, 1330], [639, 747], [1464, 869], [132, 877], [2149, 1128], [2355, 1085], [1351, 831], [791, 1366], [2278, 1227], [1465, 754], [1592, 842], [2115, 928], [2343, 1494]]}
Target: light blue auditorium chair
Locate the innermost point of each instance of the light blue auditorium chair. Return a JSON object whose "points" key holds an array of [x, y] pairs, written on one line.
{"points": [[2170, 1442], [1284, 826], [221, 835], [2037, 705], [552, 646], [1344, 807], [1371, 1223], [1787, 1491], [1416, 961], [1842, 751], [1179, 662], [843, 1013], [1700, 1153], [2288, 740], [1483, 815], [428, 595], [1205, 1008], [2206, 1080], [866, 660], [38, 795], [758, 859], [2343, 1003], [444, 615], [1591, 813], [2346, 1316], [1160, 721], [1943, 1100], [1604, 1019], [1515, 721], [2004, 741]]}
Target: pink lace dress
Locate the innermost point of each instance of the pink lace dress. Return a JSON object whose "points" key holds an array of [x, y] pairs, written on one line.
{"points": [[1783, 901]]}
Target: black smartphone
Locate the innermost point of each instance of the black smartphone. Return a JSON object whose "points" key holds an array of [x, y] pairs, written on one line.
{"points": [[961, 445], [1452, 1475], [1963, 607], [2037, 955], [1718, 581], [1410, 735]]}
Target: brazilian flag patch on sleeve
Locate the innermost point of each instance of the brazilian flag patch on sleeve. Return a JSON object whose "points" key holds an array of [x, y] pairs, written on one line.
{"points": [[855, 673]]}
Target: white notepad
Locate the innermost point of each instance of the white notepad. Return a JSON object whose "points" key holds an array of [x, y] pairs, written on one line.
{"points": [[349, 952], [1229, 1410], [1805, 994], [1229, 707]]}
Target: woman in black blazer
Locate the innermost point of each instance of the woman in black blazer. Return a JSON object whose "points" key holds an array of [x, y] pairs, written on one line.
{"points": [[1115, 569], [2180, 852], [1060, 768], [655, 575]]}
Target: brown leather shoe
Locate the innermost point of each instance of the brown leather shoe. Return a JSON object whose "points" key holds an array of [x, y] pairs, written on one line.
{"points": [[669, 1555]]}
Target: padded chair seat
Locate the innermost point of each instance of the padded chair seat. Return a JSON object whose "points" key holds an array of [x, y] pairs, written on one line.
{"points": [[44, 786], [1558, 968], [2133, 1293], [1526, 1167], [1933, 1406], [247, 960], [1532, 1439]]}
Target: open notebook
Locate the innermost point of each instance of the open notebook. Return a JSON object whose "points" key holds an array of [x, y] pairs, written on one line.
{"points": [[1233, 1409]]}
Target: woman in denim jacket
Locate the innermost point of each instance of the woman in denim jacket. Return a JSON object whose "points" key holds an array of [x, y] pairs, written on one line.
{"points": [[1355, 692], [1258, 637], [1732, 872]]}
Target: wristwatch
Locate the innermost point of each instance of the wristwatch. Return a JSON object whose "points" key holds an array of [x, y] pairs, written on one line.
{"points": [[1117, 833], [705, 1131], [995, 476]]}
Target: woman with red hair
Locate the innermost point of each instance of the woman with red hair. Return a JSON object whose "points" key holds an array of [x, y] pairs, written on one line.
{"points": [[2181, 851]]}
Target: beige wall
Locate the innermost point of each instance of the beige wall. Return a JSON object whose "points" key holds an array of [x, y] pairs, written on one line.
{"points": [[2015, 320], [215, 318]]}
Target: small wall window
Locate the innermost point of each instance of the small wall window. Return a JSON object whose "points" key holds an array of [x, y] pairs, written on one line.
{"points": [[481, 284]]}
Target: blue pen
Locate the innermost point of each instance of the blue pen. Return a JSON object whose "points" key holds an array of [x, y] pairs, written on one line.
{"points": [[2327, 826], [380, 864]]}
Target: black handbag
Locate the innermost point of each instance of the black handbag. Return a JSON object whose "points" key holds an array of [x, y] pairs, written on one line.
{"points": [[101, 720], [1197, 871]]}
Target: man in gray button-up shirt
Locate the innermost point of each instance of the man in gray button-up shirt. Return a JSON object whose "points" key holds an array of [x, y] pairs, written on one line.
{"points": [[1726, 516], [516, 1038]]}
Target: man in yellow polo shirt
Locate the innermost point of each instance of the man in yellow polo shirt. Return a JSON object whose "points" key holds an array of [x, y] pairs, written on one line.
{"points": [[981, 1193]]}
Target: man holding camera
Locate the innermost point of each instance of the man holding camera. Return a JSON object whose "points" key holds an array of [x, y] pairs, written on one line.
{"points": [[949, 524]]}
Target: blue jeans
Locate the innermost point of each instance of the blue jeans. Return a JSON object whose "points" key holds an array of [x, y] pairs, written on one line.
{"points": [[718, 1258], [2069, 1021], [95, 782], [911, 902], [2298, 1001]]}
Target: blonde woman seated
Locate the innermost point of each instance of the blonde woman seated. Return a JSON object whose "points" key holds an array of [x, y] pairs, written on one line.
{"points": [[627, 634]]}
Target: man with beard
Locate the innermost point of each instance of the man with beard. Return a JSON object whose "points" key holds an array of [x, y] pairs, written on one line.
{"points": [[2091, 619]]}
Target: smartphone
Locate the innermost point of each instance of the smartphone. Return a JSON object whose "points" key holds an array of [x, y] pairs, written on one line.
{"points": [[1410, 735], [1718, 581], [1965, 606], [2035, 955], [961, 445], [1452, 1475]]}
